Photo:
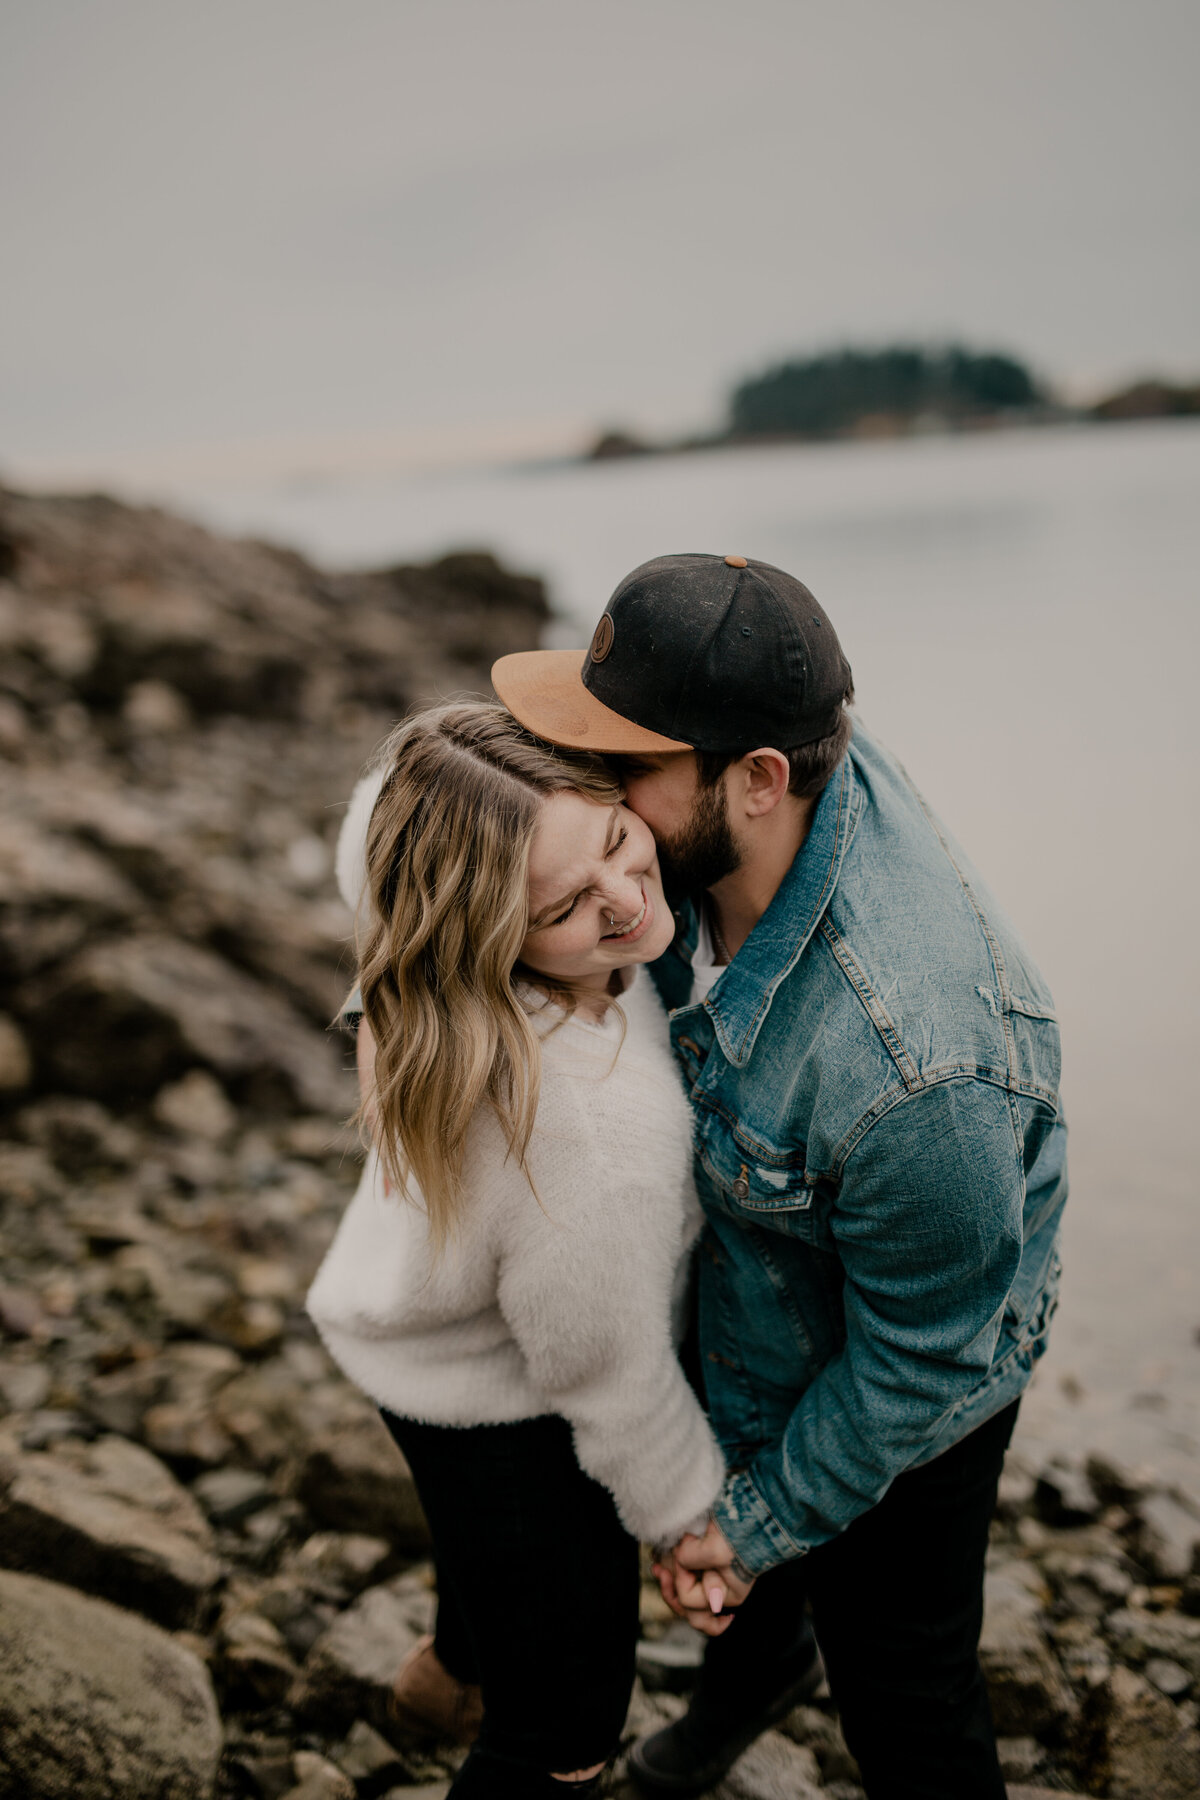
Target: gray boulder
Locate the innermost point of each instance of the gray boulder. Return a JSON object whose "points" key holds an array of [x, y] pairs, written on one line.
{"points": [[109, 1518], [1135, 1745], [318, 1779], [98, 1704], [349, 1671], [1025, 1683], [1169, 1538], [150, 1005], [1138, 1636], [773, 1768], [355, 1479]]}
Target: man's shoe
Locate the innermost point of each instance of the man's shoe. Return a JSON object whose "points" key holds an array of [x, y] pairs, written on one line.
{"points": [[688, 1758]]}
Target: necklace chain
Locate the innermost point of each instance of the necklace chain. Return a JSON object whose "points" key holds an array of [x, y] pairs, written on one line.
{"points": [[718, 936]]}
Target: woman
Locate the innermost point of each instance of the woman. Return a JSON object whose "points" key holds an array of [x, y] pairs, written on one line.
{"points": [[510, 1275]]}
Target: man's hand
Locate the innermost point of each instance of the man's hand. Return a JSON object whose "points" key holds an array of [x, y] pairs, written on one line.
{"points": [[698, 1582]]}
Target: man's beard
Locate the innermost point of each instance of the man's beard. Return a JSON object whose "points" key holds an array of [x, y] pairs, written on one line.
{"points": [[704, 850]]}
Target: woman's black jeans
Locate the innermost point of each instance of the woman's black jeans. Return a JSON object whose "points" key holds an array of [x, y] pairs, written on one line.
{"points": [[537, 1598]]}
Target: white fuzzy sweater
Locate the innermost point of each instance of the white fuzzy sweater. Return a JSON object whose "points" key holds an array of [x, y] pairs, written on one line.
{"points": [[564, 1307]]}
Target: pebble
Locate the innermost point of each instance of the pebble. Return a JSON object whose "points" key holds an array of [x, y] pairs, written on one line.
{"points": [[229, 1495], [1168, 1677]]}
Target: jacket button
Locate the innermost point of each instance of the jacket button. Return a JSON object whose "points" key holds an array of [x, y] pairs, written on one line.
{"points": [[741, 1188]]}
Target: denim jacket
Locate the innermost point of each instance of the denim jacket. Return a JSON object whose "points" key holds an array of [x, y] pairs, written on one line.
{"points": [[882, 1161]]}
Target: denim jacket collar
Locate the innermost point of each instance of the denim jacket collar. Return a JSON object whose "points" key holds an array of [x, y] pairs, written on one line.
{"points": [[740, 1000]]}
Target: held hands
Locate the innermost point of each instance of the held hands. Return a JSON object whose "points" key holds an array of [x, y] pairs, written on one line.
{"points": [[698, 1582]]}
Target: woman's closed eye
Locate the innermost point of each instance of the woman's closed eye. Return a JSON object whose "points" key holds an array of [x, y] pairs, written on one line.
{"points": [[610, 852]]}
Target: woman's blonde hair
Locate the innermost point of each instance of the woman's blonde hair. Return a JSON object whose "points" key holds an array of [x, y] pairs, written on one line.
{"points": [[444, 915]]}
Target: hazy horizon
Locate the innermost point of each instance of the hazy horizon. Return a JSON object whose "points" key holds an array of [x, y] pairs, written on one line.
{"points": [[296, 237]]}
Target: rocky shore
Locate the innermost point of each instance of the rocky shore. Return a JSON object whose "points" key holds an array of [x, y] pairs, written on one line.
{"points": [[211, 1557]]}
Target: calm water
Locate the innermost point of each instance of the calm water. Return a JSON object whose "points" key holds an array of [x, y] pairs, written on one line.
{"points": [[1022, 615]]}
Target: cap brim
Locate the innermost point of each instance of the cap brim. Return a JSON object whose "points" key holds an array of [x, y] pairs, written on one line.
{"points": [[544, 690]]}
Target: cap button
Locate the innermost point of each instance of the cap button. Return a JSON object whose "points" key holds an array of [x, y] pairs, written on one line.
{"points": [[736, 562]]}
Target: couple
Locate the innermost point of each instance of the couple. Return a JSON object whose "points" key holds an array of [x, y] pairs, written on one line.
{"points": [[839, 1043]]}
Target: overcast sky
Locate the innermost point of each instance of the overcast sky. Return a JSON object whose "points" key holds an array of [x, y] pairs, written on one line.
{"points": [[273, 233]]}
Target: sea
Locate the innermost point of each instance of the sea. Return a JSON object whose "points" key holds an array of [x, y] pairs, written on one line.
{"points": [[1022, 612]]}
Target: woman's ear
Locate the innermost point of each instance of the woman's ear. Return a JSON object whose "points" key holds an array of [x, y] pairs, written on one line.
{"points": [[765, 775]]}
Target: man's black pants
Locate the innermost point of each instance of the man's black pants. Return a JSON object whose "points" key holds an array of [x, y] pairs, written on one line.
{"points": [[897, 1604]]}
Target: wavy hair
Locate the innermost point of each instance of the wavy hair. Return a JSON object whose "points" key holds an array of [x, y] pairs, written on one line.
{"points": [[444, 915]]}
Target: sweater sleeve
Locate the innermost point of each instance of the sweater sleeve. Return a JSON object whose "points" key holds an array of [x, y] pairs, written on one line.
{"points": [[585, 1288]]}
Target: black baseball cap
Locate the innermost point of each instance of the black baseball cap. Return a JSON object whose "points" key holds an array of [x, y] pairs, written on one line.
{"points": [[692, 652]]}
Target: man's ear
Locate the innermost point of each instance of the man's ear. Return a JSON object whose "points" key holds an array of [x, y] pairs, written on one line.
{"points": [[764, 776]]}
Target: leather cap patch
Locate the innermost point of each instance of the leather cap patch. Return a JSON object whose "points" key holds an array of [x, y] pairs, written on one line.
{"points": [[602, 638]]}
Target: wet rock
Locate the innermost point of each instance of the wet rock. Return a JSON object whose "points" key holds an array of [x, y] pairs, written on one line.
{"points": [[98, 1703], [349, 1671], [367, 1757], [348, 1561], [16, 1060], [773, 1768], [1133, 1745], [21, 1313], [1021, 1791], [80, 1135], [143, 1004], [230, 1495], [318, 1779], [1087, 1586], [301, 1614], [184, 1295], [111, 1519], [279, 1408], [185, 1435], [252, 1326], [51, 1426], [1064, 1495], [355, 1479], [260, 1765], [1016, 1491], [1025, 1684], [1020, 1757], [23, 1385], [1114, 1482], [256, 1665], [156, 708], [1138, 1635], [823, 1736], [1168, 1677], [196, 1106], [185, 1377], [1081, 1650], [1168, 1538], [55, 895], [265, 1532]]}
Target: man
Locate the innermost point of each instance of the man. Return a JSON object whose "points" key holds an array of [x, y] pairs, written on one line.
{"points": [[873, 1061]]}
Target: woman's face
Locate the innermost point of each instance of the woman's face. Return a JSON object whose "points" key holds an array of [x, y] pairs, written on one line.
{"points": [[595, 895]]}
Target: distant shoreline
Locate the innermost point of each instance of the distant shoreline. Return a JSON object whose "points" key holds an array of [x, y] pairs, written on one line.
{"points": [[1143, 403]]}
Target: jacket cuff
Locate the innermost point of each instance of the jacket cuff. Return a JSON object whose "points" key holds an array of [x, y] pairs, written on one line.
{"points": [[758, 1539]]}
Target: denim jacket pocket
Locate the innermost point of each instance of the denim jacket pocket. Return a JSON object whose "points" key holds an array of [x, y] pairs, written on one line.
{"points": [[772, 1204], [777, 1196]]}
